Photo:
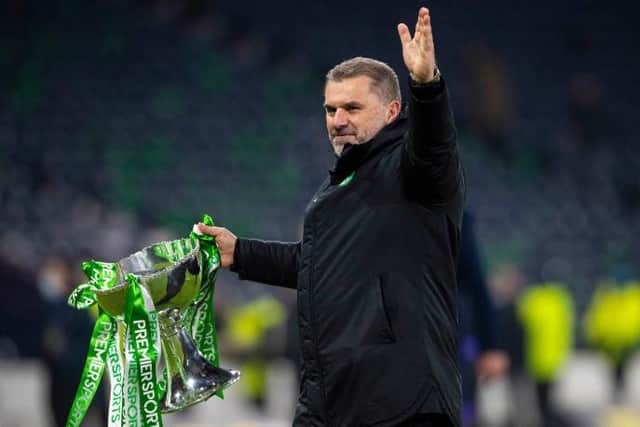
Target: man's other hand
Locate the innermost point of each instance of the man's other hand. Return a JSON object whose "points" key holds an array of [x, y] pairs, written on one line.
{"points": [[225, 240], [418, 52]]}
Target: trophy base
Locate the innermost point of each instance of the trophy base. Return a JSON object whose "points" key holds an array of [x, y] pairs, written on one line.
{"points": [[181, 394], [191, 378]]}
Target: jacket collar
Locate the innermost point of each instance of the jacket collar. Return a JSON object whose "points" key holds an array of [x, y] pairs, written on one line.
{"points": [[353, 156]]}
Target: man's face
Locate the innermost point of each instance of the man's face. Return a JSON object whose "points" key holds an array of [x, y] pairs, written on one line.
{"points": [[354, 112]]}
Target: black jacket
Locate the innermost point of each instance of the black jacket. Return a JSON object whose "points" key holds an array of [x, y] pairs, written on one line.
{"points": [[375, 274]]}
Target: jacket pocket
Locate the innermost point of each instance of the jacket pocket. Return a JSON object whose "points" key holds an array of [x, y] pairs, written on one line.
{"points": [[352, 315], [378, 327], [387, 329]]}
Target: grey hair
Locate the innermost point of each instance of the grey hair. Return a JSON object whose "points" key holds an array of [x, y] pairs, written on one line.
{"points": [[385, 80]]}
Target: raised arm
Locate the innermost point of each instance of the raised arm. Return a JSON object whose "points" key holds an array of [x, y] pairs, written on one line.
{"points": [[431, 164]]}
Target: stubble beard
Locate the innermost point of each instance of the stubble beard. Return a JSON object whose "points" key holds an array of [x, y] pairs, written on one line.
{"points": [[359, 138]]}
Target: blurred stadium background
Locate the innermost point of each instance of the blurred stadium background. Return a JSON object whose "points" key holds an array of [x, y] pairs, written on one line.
{"points": [[122, 122]]}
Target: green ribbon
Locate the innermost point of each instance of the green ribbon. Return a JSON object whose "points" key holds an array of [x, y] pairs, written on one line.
{"points": [[101, 339], [100, 275], [135, 392], [116, 367], [142, 397], [199, 318]]}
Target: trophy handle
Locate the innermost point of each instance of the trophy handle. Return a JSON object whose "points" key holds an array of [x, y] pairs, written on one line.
{"points": [[190, 377]]}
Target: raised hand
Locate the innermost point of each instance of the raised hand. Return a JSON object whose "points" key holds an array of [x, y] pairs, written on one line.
{"points": [[418, 52]]}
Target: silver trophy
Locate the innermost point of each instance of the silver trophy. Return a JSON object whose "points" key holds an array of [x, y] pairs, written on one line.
{"points": [[172, 274]]}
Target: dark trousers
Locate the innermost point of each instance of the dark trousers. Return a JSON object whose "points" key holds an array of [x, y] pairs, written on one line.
{"points": [[427, 420]]}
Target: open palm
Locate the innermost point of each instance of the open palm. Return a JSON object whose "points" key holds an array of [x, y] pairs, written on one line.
{"points": [[418, 52]]}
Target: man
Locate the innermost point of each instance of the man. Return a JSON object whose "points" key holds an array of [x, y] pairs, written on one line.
{"points": [[375, 268]]}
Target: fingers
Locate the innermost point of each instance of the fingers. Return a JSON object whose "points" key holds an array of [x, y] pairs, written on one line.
{"points": [[423, 29], [420, 22], [403, 32], [210, 230], [423, 26], [428, 31]]}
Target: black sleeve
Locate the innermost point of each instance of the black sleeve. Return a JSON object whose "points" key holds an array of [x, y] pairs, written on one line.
{"points": [[430, 162], [273, 263]]}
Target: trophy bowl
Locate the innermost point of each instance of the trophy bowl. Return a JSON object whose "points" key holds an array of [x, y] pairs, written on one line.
{"points": [[171, 272]]}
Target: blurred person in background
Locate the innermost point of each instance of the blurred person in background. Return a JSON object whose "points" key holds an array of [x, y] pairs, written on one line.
{"points": [[547, 316], [375, 269], [254, 334], [612, 325], [490, 99], [588, 121], [480, 357], [22, 319], [64, 337], [506, 284]]}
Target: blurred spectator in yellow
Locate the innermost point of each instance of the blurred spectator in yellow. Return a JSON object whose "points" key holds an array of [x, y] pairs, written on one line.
{"points": [[547, 314], [612, 323], [248, 332]]}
